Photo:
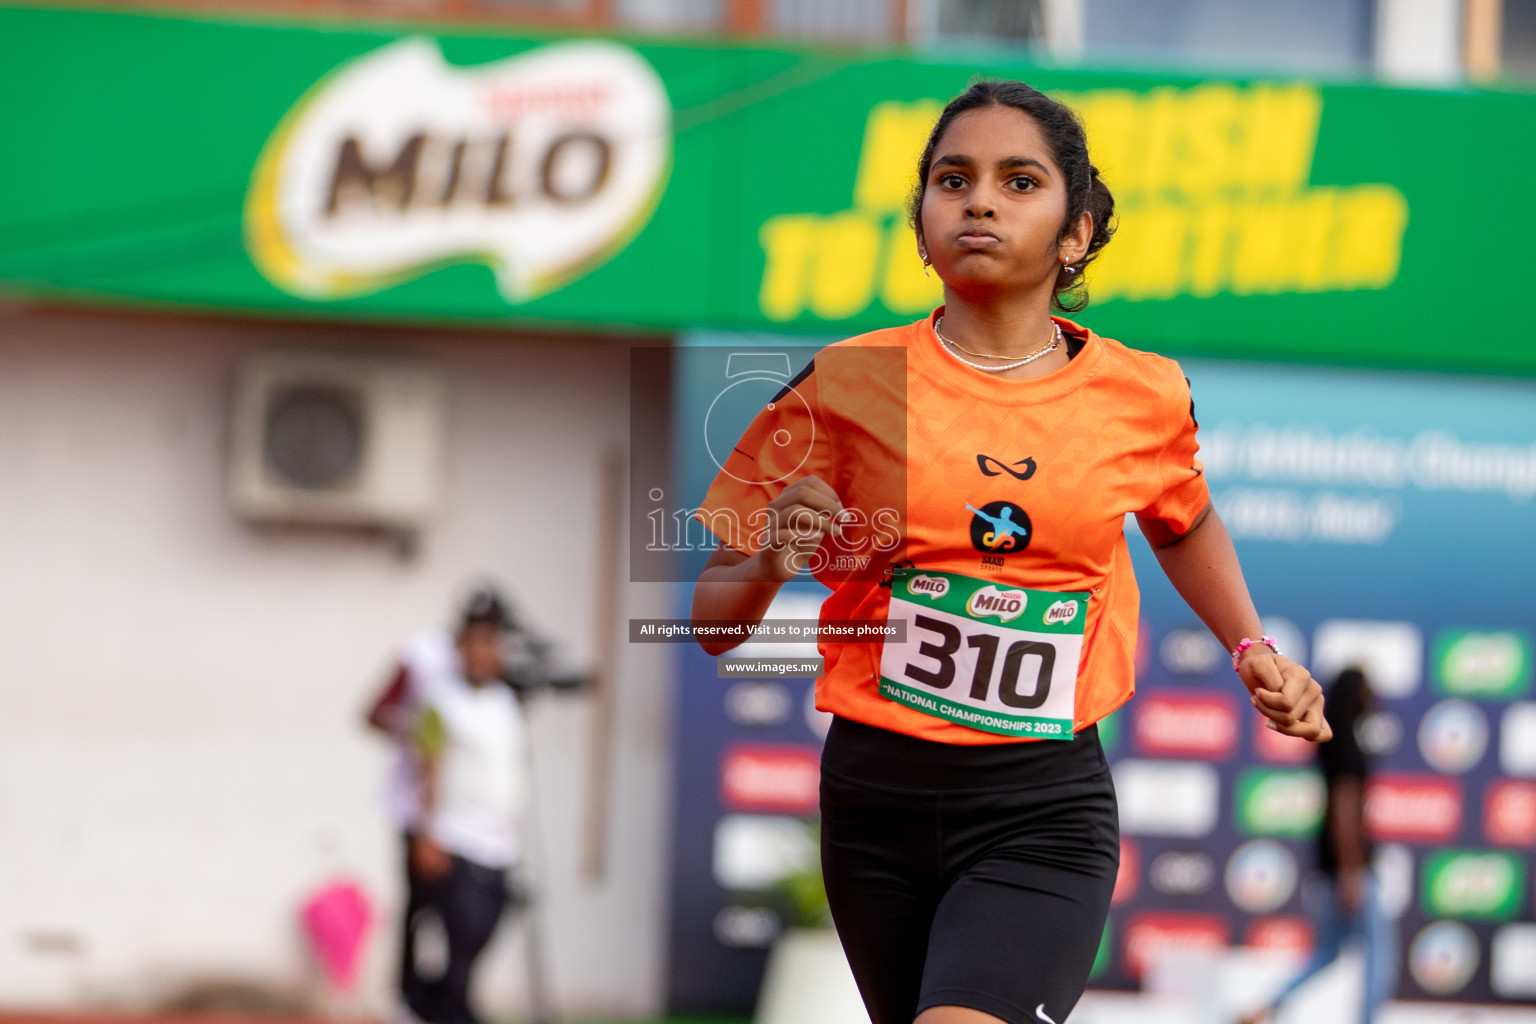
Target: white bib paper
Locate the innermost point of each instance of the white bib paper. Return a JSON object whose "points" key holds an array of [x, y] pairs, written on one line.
{"points": [[999, 659]]}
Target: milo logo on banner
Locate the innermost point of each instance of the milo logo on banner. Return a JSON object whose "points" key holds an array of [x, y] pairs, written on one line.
{"points": [[1279, 803], [1482, 663], [1482, 885], [541, 166]]}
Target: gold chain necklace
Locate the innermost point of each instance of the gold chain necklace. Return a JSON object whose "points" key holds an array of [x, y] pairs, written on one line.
{"points": [[1049, 347]]}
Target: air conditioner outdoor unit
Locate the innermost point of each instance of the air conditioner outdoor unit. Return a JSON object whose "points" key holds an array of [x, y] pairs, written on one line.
{"points": [[337, 439]]}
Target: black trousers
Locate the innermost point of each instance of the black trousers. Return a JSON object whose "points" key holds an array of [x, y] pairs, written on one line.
{"points": [[975, 876], [468, 902]]}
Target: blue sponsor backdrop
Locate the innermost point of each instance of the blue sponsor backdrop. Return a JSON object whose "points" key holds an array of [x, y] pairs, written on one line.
{"points": [[1383, 519], [1387, 519]]}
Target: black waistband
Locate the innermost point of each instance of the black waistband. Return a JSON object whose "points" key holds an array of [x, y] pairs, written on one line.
{"points": [[894, 760]]}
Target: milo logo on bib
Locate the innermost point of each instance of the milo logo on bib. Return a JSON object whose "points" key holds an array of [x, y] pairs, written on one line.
{"points": [[1005, 604], [998, 659], [928, 586], [1060, 612]]}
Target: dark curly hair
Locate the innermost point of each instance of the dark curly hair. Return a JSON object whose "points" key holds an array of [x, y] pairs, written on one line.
{"points": [[1063, 131]]}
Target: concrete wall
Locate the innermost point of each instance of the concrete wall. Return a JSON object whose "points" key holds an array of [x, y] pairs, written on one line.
{"points": [[181, 753]]}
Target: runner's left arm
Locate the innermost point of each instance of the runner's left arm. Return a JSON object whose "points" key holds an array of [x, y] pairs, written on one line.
{"points": [[1202, 565]]}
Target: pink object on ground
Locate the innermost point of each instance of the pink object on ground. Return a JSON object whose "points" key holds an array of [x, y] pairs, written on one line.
{"points": [[336, 919]]}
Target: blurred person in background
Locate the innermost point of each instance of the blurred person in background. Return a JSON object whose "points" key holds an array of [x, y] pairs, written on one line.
{"points": [[458, 793], [1348, 904]]}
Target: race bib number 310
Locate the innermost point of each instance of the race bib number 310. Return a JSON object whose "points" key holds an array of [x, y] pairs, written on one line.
{"points": [[998, 659]]}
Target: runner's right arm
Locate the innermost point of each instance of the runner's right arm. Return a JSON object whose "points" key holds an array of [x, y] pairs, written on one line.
{"points": [[738, 588]]}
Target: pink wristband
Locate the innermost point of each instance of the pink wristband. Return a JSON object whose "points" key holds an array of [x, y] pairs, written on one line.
{"points": [[1245, 643]]}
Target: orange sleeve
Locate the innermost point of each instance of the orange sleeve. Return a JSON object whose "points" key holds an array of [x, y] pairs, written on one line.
{"points": [[787, 441], [1183, 493]]}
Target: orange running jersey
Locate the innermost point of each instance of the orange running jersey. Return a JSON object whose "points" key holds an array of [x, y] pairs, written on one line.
{"points": [[1019, 483]]}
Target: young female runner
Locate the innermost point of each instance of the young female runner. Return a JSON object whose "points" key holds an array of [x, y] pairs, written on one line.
{"points": [[969, 857]]}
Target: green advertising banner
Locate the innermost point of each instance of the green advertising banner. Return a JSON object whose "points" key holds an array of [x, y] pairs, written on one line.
{"points": [[383, 173]]}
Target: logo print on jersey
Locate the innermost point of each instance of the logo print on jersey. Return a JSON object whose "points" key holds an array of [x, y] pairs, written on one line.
{"points": [[1040, 1012], [1021, 470], [1006, 605], [933, 587], [999, 528]]}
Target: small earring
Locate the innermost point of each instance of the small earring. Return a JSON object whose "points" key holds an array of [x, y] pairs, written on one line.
{"points": [[925, 267], [1070, 270]]}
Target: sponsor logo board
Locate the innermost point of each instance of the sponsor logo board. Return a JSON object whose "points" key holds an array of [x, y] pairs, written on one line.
{"points": [[1509, 813], [1453, 736], [1185, 724], [1179, 873], [747, 927], [1413, 808], [763, 777], [1391, 653], [1279, 802], [1105, 951], [758, 703], [754, 852], [1291, 934], [1151, 936], [1128, 876], [1482, 663], [1443, 957], [1379, 733], [1512, 961], [1393, 865], [1167, 798], [1288, 637], [1481, 885], [542, 165], [1261, 876], [1278, 748], [1517, 740], [1192, 651]]}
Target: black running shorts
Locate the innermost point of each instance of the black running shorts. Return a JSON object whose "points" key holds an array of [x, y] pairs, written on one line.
{"points": [[974, 876]]}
